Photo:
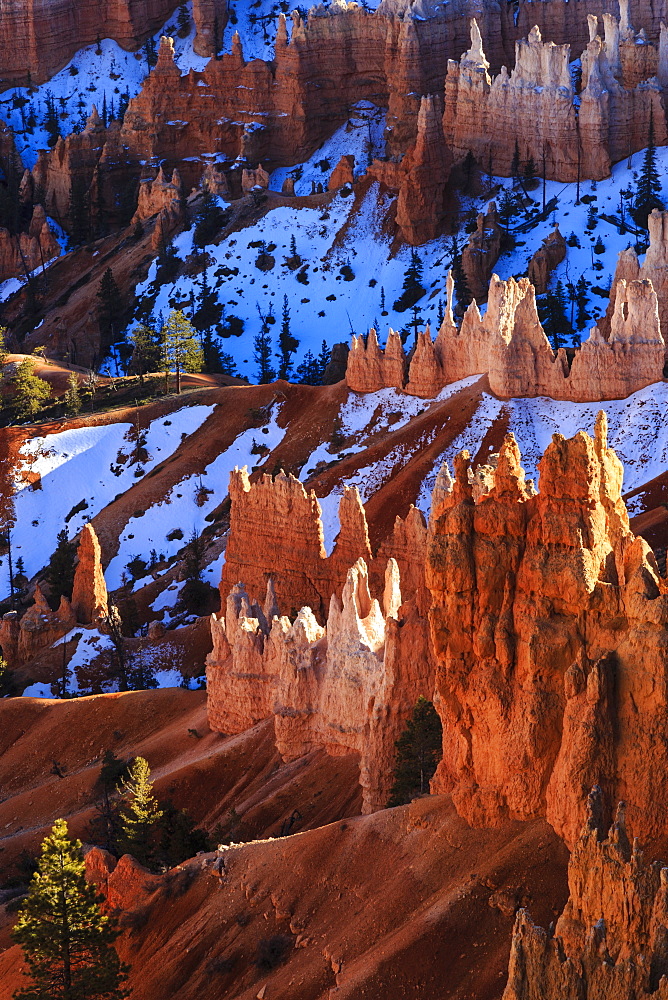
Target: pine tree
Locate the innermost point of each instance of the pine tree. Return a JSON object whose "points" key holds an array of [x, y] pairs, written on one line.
{"points": [[462, 290], [308, 372], [51, 122], [412, 288], [72, 397], [105, 827], [649, 186], [287, 343], [515, 163], [182, 351], [60, 571], [183, 19], [146, 350], [3, 345], [30, 391], [109, 306], [141, 815], [581, 288], [323, 360], [419, 749], [262, 352], [66, 940]]}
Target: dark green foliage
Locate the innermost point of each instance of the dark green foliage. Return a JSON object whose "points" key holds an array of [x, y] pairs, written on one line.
{"points": [[167, 266], [210, 219], [287, 343], [649, 186], [105, 827], [180, 839], [195, 593], [419, 749], [553, 315], [582, 317], [51, 121], [66, 940], [109, 305], [60, 571], [146, 350], [262, 352], [412, 288], [462, 290]]}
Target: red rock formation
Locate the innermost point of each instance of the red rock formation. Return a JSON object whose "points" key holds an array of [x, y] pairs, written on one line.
{"points": [[160, 194], [41, 36], [481, 253], [370, 369], [548, 622], [24, 252], [545, 259], [421, 201], [534, 106], [610, 941], [343, 173], [251, 179], [348, 687], [510, 346], [41, 627], [654, 269], [89, 593], [210, 18]]}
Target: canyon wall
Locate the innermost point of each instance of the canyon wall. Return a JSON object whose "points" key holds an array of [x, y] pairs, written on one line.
{"points": [[545, 652], [534, 107], [40, 36], [610, 941], [509, 345]]}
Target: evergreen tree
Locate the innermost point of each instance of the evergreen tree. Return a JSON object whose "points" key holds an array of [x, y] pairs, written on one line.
{"points": [[209, 221], [3, 345], [30, 391], [468, 171], [582, 317], [182, 351], [308, 372], [419, 749], [109, 307], [515, 163], [141, 815], [195, 591], [462, 290], [51, 121], [183, 19], [323, 360], [105, 827], [72, 397], [60, 571], [649, 186], [287, 343], [146, 350], [530, 174], [66, 940], [262, 352], [412, 288], [113, 624], [79, 221], [180, 839]]}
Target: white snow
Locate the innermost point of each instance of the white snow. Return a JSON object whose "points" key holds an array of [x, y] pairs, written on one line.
{"points": [[180, 510], [638, 431], [76, 466]]}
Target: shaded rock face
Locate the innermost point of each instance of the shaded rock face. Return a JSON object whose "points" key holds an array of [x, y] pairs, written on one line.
{"points": [[89, 593], [610, 941], [549, 626], [426, 169], [654, 269], [482, 252], [509, 345], [533, 106], [27, 251], [545, 259], [39, 37]]}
